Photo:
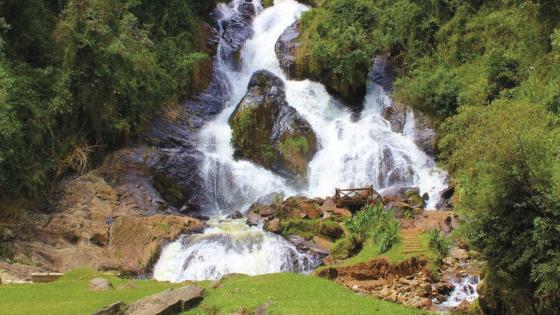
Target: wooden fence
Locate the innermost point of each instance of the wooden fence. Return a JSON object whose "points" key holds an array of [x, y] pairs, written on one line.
{"points": [[353, 197]]}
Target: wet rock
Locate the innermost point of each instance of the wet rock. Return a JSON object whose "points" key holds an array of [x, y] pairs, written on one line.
{"points": [[99, 285], [446, 198], [253, 219], [235, 215], [273, 226], [172, 301], [301, 207], [286, 48], [382, 72], [269, 132], [424, 136], [266, 211]]}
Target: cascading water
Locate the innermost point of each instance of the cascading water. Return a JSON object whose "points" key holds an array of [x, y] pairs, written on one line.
{"points": [[353, 153], [229, 246], [465, 289]]}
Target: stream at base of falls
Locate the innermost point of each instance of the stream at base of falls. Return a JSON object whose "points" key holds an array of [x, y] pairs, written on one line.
{"points": [[353, 152]]}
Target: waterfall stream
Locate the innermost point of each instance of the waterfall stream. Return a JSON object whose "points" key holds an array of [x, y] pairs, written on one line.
{"points": [[353, 152]]}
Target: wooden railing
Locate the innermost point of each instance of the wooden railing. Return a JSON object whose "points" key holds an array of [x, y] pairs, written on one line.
{"points": [[353, 196]]}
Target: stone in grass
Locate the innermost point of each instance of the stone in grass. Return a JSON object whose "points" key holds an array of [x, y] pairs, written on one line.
{"points": [[99, 285], [172, 301], [114, 309]]}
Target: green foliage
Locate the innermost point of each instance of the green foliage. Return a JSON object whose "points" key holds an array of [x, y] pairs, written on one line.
{"points": [[82, 77], [439, 242], [375, 223], [505, 160], [294, 145], [435, 92]]}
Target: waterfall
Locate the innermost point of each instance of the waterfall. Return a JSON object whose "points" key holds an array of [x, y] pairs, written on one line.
{"points": [[249, 250], [352, 153]]}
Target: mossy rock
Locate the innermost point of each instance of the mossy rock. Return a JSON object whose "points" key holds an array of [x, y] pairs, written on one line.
{"points": [[269, 132]]}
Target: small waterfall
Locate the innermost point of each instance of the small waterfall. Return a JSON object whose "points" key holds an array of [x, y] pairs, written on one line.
{"points": [[353, 153], [229, 246], [465, 289]]}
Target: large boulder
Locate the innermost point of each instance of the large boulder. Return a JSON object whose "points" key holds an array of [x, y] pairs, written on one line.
{"points": [[269, 132], [172, 301]]}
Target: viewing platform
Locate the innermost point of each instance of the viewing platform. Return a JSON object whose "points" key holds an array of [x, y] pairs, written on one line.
{"points": [[355, 197]]}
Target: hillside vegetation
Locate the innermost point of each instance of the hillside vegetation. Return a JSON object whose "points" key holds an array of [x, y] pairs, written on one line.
{"points": [[488, 72], [80, 77]]}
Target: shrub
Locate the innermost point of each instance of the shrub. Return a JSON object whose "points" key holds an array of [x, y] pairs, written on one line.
{"points": [[439, 242], [374, 222]]}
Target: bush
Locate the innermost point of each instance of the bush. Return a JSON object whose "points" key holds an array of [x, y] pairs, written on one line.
{"points": [[439, 242], [377, 224], [432, 92], [505, 162]]}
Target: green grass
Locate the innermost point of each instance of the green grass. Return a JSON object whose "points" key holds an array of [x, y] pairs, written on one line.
{"points": [[70, 295], [394, 255], [292, 294], [289, 294]]}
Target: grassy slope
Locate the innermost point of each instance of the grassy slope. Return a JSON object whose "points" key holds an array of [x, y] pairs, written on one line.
{"points": [[395, 255], [69, 295], [293, 294], [289, 293]]}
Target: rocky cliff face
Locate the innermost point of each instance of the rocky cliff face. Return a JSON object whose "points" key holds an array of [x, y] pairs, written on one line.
{"points": [[269, 132], [110, 218]]}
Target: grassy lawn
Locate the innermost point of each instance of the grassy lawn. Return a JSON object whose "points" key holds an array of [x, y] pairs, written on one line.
{"points": [[288, 293], [70, 295], [292, 294]]}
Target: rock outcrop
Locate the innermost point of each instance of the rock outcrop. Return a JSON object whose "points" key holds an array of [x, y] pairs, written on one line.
{"points": [[286, 48], [269, 132], [109, 218]]}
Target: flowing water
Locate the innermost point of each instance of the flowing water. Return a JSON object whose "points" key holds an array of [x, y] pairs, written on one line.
{"points": [[353, 152], [465, 289]]}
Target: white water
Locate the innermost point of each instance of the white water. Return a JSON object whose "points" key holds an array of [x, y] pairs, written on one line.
{"points": [[465, 289], [353, 153], [229, 246]]}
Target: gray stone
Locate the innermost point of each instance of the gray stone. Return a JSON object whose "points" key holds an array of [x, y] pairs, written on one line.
{"points": [[99, 285], [114, 309], [172, 301]]}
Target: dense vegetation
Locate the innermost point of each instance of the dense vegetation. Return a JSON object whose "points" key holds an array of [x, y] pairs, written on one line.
{"points": [[80, 77], [488, 72], [372, 224]]}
